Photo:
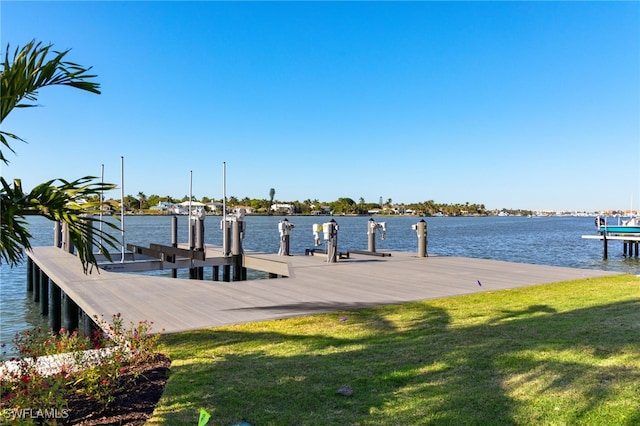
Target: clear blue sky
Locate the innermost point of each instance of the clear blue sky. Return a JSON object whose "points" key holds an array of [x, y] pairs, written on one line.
{"points": [[532, 105]]}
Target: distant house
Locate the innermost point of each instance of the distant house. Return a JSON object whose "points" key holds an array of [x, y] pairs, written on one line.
{"points": [[398, 209], [247, 209], [163, 206], [320, 211], [282, 208], [215, 207]]}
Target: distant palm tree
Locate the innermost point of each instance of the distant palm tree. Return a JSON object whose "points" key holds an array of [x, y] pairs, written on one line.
{"points": [[24, 72], [272, 194], [143, 199]]}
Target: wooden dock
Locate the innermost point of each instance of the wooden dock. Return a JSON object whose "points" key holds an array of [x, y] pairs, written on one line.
{"points": [[630, 243], [312, 286]]}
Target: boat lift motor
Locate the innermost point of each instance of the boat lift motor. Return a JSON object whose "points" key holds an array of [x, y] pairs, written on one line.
{"points": [[330, 231], [372, 227], [317, 229], [330, 235], [284, 228], [196, 228], [421, 231], [234, 227]]}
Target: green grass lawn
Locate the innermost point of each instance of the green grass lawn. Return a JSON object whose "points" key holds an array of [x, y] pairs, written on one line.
{"points": [[557, 354]]}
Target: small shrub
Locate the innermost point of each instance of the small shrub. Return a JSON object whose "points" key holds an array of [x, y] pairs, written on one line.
{"points": [[95, 367]]}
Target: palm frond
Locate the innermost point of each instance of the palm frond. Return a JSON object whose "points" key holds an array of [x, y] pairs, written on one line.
{"points": [[31, 68], [75, 203]]}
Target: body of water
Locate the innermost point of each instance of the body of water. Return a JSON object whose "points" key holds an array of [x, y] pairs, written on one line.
{"points": [[538, 240]]}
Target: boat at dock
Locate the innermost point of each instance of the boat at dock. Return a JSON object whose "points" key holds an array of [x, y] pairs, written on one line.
{"points": [[629, 226]]}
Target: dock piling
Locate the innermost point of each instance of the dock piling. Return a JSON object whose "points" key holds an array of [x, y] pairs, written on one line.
{"points": [[44, 294], [36, 284], [70, 309], [330, 234], [174, 240], [30, 266], [284, 228], [55, 294], [237, 235], [421, 231], [57, 234]]}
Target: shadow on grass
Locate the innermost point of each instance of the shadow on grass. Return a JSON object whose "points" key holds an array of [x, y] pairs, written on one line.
{"points": [[506, 371]]}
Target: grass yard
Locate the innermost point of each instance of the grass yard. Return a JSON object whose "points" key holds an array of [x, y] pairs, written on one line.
{"points": [[556, 354]]}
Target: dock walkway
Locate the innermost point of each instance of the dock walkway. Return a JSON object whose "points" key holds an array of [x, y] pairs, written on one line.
{"points": [[313, 286]]}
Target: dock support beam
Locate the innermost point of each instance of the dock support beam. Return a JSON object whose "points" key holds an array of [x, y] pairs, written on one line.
{"points": [[216, 273], [70, 313], [55, 309], [174, 240], [44, 294], [30, 266], [87, 325], [226, 273], [605, 248], [36, 283]]}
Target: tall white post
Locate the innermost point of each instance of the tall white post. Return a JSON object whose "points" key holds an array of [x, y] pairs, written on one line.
{"points": [[224, 206], [190, 197], [101, 201], [122, 207]]}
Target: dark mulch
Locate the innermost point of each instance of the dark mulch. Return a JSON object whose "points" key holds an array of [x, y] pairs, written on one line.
{"points": [[134, 402]]}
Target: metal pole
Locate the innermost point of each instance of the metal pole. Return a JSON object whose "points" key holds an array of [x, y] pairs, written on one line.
{"points": [[122, 208], [224, 209], [101, 201], [190, 197]]}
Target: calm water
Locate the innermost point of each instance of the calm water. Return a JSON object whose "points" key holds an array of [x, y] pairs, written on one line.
{"points": [[539, 240]]}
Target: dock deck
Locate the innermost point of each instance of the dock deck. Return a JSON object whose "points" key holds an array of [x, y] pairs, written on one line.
{"points": [[313, 286]]}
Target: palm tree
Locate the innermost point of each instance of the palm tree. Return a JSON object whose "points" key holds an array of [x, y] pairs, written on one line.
{"points": [[24, 72], [272, 194], [142, 198]]}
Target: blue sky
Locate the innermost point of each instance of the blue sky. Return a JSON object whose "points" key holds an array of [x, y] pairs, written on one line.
{"points": [[532, 105]]}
